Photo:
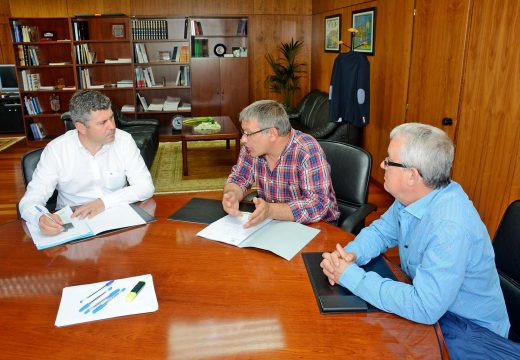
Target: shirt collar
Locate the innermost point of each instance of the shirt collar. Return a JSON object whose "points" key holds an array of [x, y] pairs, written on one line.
{"points": [[78, 143], [418, 208]]}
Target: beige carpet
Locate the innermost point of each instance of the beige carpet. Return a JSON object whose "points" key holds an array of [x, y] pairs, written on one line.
{"points": [[5, 142], [202, 155]]}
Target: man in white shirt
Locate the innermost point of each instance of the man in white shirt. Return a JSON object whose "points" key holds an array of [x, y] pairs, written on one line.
{"points": [[89, 166]]}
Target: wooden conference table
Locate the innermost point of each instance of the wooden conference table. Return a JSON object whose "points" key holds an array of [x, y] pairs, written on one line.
{"points": [[216, 301]]}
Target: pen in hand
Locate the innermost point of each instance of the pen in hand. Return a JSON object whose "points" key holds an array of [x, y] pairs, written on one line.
{"points": [[47, 215]]}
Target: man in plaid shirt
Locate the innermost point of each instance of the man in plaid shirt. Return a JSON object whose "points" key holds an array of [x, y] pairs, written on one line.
{"points": [[289, 168]]}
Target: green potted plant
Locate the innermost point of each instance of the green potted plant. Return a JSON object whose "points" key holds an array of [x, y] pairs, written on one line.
{"points": [[286, 71]]}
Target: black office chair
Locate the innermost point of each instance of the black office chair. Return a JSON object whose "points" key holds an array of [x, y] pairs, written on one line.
{"points": [[507, 258], [350, 172], [29, 162]]}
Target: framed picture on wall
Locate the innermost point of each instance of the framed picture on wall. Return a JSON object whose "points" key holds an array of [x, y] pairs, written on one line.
{"points": [[364, 21], [332, 33]]}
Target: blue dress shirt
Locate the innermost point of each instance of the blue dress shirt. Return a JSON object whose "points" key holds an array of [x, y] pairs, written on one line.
{"points": [[445, 249]]}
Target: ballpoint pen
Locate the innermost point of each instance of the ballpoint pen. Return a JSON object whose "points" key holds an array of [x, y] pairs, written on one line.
{"points": [[97, 297], [46, 215], [98, 290], [100, 302], [110, 298]]}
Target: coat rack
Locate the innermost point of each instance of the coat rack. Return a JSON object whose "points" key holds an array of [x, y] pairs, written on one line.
{"points": [[353, 33]]}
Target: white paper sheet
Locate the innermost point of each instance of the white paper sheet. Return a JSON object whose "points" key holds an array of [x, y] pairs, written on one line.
{"points": [[68, 312]]}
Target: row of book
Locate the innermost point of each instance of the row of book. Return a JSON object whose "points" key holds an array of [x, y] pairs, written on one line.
{"points": [[30, 81], [149, 29], [24, 33], [80, 30], [84, 55], [200, 48], [38, 131], [242, 27], [28, 55], [160, 104], [196, 28], [32, 105], [144, 77]]}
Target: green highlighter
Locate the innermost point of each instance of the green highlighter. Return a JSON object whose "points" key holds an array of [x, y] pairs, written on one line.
{"points": [[133, 293]]}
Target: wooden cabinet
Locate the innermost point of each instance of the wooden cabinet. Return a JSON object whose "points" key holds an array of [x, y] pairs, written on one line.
{"points": [[44, 65], [162, 66], [220, 76], [220, 86]]}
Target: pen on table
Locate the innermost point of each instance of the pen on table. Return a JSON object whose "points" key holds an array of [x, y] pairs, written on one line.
{"points": [[135, 290], [46, 215], [110, 298], [98, 290], [97, 297]]}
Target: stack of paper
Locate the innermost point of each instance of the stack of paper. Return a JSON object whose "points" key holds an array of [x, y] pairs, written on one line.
{"points": [[171, 103]]}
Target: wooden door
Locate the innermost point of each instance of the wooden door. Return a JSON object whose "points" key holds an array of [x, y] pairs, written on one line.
{"points": [[205, 86], [439, 38], [234, 84]]}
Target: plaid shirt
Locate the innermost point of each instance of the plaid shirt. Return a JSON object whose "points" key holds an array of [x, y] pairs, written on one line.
{"points": [[301, 178]]}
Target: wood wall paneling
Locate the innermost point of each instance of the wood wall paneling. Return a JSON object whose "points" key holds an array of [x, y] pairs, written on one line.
{"points": [[6, 50], [266, 34], [288, 7], [389, 68], [439, 39], [488, 136], [39, 8], [163, 7]]}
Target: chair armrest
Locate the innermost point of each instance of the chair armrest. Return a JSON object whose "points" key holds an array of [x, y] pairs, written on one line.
{"points": [[294, 116], [356, 219], [324, 131]]}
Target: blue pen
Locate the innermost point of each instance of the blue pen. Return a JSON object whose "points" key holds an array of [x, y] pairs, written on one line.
{"points": [[110, 298], [92, 301], [98, 290], [46, 214], [113, 293]]}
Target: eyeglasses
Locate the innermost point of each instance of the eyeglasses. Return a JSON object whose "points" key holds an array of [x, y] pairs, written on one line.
{"points": [[254, 132], [388, 163]]}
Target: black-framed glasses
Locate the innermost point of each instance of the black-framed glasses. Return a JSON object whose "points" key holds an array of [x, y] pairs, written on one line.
{"points": [[388, 163], [254, 132]]}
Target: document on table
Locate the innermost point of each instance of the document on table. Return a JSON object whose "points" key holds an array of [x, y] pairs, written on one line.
{"points": [[284, 238], [104, 300], [117, 217]]}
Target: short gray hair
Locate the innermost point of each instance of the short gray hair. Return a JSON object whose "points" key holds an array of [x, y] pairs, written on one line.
{"points": [[428, 149], [83, 103], [268, 114]]}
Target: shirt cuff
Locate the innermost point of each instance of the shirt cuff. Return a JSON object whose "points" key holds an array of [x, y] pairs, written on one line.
{"points": [[351, 277]]}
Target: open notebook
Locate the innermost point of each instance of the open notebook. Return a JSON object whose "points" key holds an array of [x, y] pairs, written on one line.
{"points": [[112, 219]]}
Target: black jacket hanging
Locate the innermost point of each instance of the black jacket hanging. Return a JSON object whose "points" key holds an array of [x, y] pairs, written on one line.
{"points": [[349, 92]]}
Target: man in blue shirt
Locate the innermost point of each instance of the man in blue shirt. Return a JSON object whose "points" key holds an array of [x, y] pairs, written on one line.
{"points": [[443, 245]]}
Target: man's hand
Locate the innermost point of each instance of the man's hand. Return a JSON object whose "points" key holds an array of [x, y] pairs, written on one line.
{"points": [[49, 227], [230, 203], [260, 214], [90, 209], [335, 263]]}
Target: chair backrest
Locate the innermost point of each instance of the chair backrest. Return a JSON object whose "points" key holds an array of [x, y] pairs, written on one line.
{"points": [[507, 258], [314, 109], [350, 173], [29, 162]]}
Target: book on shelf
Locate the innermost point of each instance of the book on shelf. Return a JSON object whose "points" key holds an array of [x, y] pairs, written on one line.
{"points": [[125, 84], [59, 63], [38, 131], [171, 103], [80, 29], [84, 55], [143, 102], [184, 106], [141, 56], [156, 105], [128, 108], [97, 86], [149, 29], [118, 61], [242, 27]]}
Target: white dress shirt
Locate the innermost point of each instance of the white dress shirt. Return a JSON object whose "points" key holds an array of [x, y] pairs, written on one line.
{"points": [[81, 177]]}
